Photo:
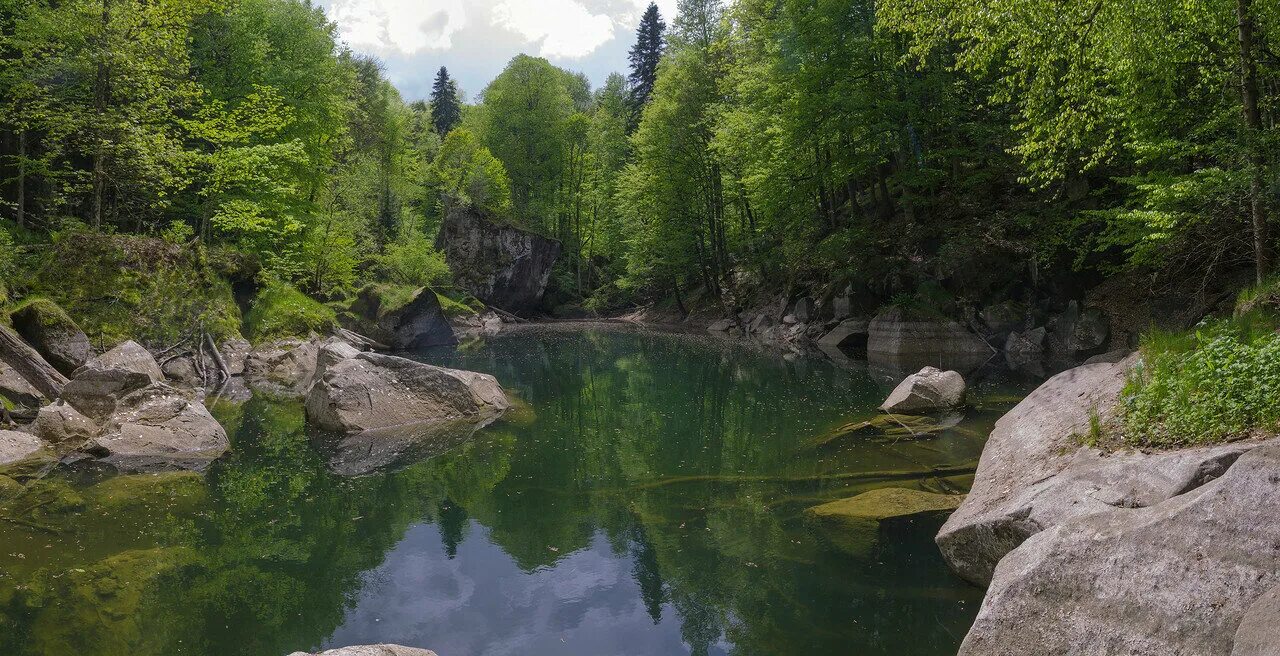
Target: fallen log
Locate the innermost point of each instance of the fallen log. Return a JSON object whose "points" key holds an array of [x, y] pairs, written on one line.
{"points": [[29, 364]]}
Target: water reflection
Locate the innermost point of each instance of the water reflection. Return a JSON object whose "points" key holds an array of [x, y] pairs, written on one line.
{"points": [[647, 501]]}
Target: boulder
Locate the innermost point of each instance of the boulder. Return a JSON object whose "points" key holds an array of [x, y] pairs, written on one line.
{"points": [[333, 351], [803, 309], [1259, 631], [853, 524], [374, 391], [17, 390], [129, 356], [182, 370], [371, 650], [53, 334], [848, 333], [96, 392], [234, 353], [1177, 577], [63, 426], [1110, 356], [416, 324], [1034, 474], [284, 367], [158, 428], [499, 264], [842, 304], [894, 332], [1003, 319], [1079, 332], [929, 390], [1027, 343], [722, 326], [17, 446]]}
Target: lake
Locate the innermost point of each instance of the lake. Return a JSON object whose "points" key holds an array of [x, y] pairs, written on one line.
{"points": [[646, 497]]}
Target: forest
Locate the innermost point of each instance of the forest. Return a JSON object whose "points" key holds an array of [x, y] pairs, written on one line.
{"points": [[752, 146]]}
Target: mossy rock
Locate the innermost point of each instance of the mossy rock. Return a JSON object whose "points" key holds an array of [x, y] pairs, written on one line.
{"points": [[47, 504], [521, 413], [853, 525], [894, 427], [53, 333], [280, 311], [176, 492], [9, 489]]}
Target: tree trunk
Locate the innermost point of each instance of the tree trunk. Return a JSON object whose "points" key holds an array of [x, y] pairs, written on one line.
{"points": [[1253, 127], [22, 178], [29, 364], [100, 92]]}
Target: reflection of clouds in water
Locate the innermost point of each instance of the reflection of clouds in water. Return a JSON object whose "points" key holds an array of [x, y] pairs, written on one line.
{"points": [[481, 603]]}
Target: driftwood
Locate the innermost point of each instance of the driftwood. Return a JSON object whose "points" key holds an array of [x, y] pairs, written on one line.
{"points": [[507, 315], [29, 364], [224, 372]]}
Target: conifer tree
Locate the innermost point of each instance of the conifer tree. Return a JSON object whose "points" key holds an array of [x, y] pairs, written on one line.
{"points": [[644, 57], [446, 110]]}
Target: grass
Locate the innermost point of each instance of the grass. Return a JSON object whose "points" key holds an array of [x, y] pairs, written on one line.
{"points": [[281, 311], [1210, 385]]}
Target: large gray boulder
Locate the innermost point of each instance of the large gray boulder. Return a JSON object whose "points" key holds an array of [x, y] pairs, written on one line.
{"points": [[129, 356], [418, 324], [501, 265], [159, 428], [371, 650], [63, 426], [17, 390], [373, 391], [848, 333], [284, 367], [96, 392], [903, 341], [1034, 474], [1080, 332], [48, 329], [1174, 578], [234, 353], [1259, 631], [16, 446], [928, 390]]}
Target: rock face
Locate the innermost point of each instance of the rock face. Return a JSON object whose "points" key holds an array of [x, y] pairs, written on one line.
{"points": [[63, 426], [16, 446], [371, 650], [373, 391], [158, 428], [929, 390], [129, 356], [1174, 578], [1259, 632], [418, 324], [283, 367], [853, 524], [1034, 474], [503, 266], [906, 340], [53, 334]]}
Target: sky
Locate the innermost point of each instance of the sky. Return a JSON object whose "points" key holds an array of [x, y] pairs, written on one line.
{"points": [[475, 39]]}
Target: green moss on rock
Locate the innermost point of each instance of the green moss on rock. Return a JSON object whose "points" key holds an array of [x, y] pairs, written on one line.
{"points": [[853, 524], [281, 311]]}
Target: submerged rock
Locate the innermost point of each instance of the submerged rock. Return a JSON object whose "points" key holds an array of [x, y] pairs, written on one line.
{"points": [[158, 428], [1174, 578], [501, 265], [929, 390], [853, 524], [373, 391], [371, 650], [53, 334], [419, 323], [896, 426]]}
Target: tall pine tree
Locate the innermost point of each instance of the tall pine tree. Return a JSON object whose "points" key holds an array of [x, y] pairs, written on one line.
{"points": [[644, 57], [446, 111]]}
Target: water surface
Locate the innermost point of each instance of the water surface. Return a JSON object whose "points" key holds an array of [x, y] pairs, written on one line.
{"points": [[647, 499]]}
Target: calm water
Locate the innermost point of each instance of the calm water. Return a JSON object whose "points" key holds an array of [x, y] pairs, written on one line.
{"points": [[647, 501]]}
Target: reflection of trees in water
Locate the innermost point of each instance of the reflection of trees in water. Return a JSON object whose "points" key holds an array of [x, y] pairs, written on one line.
{"points": [[281, 550]]}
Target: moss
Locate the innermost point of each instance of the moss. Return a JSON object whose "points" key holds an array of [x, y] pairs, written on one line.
{"points": [[281, 311], [453, 308], [176, 492], [44, 313], [853, 524], [129, 287]]}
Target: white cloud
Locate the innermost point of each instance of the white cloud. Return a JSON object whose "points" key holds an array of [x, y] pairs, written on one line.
{"points": [[565, 28], [398, 26]]}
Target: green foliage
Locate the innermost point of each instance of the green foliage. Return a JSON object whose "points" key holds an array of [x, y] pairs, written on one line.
{"points": [[467, 173], [453, 308], [1219, 383], [281, 311], [412, 260]]}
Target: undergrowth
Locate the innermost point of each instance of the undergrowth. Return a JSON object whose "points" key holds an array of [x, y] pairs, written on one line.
{"points": [[281, 311]]}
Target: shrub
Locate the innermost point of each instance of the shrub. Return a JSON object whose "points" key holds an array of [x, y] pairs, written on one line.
{"points": [[281, 311], [412, 260], [1223, 386]]}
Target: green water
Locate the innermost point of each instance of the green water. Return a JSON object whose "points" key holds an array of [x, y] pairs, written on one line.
{"points": [[646, 500]]}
